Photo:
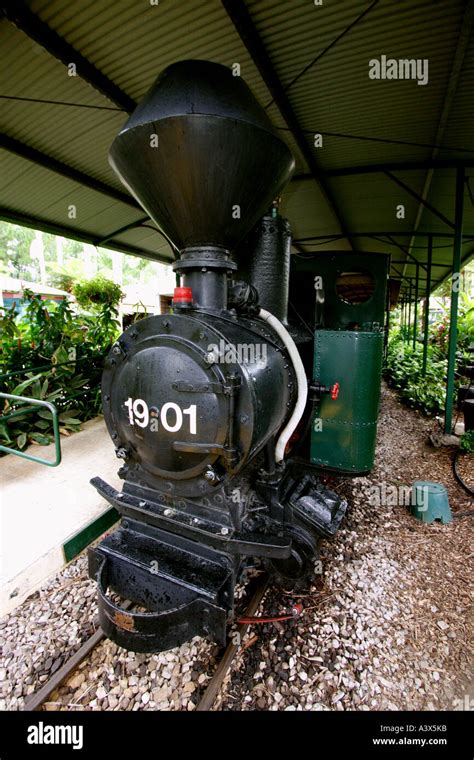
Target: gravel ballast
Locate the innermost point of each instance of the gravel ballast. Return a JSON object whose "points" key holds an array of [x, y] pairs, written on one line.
{"points": [[386, 624]]}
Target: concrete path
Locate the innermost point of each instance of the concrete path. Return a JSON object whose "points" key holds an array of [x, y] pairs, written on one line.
{"points": [[41, 507]]}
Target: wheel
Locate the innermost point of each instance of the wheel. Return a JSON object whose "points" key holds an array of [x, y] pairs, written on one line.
{"points": [[297, 570]]}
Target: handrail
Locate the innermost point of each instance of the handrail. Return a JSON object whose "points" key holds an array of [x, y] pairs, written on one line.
{"points": [[57, 439], [50, 366]]}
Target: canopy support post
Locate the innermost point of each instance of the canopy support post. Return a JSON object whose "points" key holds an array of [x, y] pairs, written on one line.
{"points": [[455, 284]]}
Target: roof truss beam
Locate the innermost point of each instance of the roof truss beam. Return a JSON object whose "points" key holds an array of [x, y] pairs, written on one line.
{"points": [[244, 26], [404, 250], [394, 166], [421, 199], [397, 233], [433, 264], [123, 229], [29, 23], [36, 223], [48, 162], [451, 89]]}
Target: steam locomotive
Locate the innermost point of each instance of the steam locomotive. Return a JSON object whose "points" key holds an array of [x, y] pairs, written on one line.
{"points": [[210, 407]]}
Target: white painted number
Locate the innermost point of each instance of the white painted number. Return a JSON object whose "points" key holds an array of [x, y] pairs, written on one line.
{"points": [[191, 410], [178, 416], [138, 414], [140, 410]]}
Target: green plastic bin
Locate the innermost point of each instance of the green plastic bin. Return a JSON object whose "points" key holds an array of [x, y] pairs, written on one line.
{"points": [[429, 502]]}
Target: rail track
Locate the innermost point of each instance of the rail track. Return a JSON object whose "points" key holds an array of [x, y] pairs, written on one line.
{"points": [[36, 700]]}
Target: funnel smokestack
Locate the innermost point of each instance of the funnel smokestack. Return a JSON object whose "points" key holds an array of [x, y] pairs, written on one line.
{"points": [[201, 156]]}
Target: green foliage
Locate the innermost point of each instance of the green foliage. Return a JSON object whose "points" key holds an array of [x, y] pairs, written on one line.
{"points": [[439, 331], [403, 366], [69, 259], [15, 244], [403, 369], [97, 292], [63, 281], [467, 442], [71, 347]]}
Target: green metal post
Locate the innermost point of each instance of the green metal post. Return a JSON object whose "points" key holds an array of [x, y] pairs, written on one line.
{"points": [[415, 307], [387, 321], [427, 304], [453, 324], [409, 312], [404, 318]]}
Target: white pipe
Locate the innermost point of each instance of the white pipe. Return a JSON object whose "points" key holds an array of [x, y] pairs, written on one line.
{"points": [[302, 394]]}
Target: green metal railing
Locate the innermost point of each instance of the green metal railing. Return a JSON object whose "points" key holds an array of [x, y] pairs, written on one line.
{"points": [[33, 403], [48, 367]]}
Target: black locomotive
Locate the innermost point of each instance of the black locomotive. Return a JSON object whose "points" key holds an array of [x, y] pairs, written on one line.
{"points": [[204, 404]]}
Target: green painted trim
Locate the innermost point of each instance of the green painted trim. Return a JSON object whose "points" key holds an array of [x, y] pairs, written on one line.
{"points": [[89, 533]]}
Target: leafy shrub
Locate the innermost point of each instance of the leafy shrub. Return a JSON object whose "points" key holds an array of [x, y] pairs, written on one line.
{"points": [[467, 442], [439, 331], [403, 365], [56, 356], [403, 369], [63, 281]]}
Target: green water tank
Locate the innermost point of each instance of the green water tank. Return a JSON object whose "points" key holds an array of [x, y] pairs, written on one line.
{"points": [[344, 430]]}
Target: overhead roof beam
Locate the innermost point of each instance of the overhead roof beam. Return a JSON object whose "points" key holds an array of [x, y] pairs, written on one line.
{"points": [[37, 223], [29, 23], [48, 162], [123, 229], [52, 164], [397, 233], [403, 250], [400, 276], [461, 47], [244, 25], [433, 264], [298, 247], [421, 199], [394, 166], [139, 223]]}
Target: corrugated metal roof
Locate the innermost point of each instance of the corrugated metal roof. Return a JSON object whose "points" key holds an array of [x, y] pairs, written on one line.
{"points": [[132, 42]]}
